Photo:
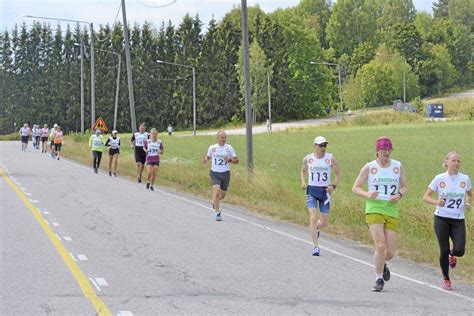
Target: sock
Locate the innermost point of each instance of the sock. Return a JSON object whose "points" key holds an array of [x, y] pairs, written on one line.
{"points": [[379, 276]]}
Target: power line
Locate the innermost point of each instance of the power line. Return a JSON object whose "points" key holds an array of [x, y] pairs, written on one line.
{"points": [[156, 7]]}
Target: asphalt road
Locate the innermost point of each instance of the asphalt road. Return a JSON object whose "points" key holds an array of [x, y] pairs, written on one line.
{"points": [[73, 243]]}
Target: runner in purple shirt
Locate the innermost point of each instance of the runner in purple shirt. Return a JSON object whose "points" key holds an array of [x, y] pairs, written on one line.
{"points": [[153, 148]]}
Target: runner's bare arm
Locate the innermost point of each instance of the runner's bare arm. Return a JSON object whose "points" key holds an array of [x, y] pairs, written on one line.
{"points": [[303, 173], [468, 199], [359, 183], [205, 159], [430, 200], [337, 172]]}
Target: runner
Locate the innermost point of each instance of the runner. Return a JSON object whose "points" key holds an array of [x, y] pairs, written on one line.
{"points": [[170, 130], [137, 142], [58, 141], [454, 196], [221, 156], [25, 133], [96, 141], [114, 151], [36, 135], [51, 138], [386, 186], [44, 138], [154, 149], [317, 168]]}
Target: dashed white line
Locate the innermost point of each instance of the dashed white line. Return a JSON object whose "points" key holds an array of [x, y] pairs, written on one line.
{"points": [[47, 213], [101, 282], [72, 256], [95, 284], [82, 257], [125, 313], [67, 238], [28, 194], [56, 224], [33, 201]]}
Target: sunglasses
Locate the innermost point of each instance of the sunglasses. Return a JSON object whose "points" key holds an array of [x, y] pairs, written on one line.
{"points": [[322, 145]]}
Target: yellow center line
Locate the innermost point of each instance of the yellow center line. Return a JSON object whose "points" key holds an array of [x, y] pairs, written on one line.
{"points": [[81, 279]]}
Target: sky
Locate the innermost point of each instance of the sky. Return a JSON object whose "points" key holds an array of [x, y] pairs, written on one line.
{"points": [[104, 11]]}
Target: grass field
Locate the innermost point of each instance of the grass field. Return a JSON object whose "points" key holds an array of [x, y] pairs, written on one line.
{"points": [[275, 189]]}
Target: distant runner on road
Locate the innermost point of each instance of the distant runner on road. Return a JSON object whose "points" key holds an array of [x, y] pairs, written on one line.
{"points": [[454, 196], [58, 141], [114, 151], [153, 148], [36, 135], [221, 156], [44, 138], [316, 168], [51, 139], [96, 142], [137, 142], [25, 133], [387, 184]]}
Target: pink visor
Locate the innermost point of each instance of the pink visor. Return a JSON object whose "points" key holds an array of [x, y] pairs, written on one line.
{"points": [[383, 143]]}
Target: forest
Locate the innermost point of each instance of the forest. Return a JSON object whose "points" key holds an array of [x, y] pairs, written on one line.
{"points": [[371, 44]]}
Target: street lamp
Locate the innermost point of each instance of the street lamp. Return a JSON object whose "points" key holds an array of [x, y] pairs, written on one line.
{"points": [[194, 89], [91, 25], [118, 78], [339, 75]]}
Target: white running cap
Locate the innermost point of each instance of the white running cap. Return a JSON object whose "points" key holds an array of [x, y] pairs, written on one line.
{"points": [[55, 125], [114, 131], [320, 140]]}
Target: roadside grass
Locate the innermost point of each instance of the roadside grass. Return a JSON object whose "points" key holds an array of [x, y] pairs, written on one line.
{"points": [[459, 107], [11, 136], [275, 189]]}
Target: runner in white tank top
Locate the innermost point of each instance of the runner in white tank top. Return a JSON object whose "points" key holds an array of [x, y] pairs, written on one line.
{"points": [[221, 156], [317, 168]]}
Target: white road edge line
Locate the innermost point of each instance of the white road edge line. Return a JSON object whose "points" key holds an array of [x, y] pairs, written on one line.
{"points": [[82, 257], [125, 313], [58, 236], [67, 238], [299, 239], [72, 256], [101, 282]]}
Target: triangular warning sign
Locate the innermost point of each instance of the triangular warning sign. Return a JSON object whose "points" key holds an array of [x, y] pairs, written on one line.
{"points": [[100, 124]]}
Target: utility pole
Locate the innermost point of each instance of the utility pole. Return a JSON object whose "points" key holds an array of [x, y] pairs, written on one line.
{"points": [[194, 101], [117, 92], [92, 77], [248, 106], [340, 90], [404, 84], [82, 86], [129, 69], [269, 100]]}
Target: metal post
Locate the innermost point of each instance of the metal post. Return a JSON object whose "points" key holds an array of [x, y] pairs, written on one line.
{"points": [[129, 69], [194, 101], [404, 88], [92, 77], [117, 92], [340, 88], [269, 100], [248, 106], [82, 86]]}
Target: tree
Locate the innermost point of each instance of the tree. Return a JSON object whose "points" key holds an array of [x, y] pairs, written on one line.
{"points": [[440, 8], [443, 68]]}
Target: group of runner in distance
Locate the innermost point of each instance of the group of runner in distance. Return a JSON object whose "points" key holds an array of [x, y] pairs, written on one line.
{"points": [[385, 179]]}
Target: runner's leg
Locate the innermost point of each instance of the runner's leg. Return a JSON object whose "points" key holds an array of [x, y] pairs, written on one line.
{"points": [[378, 236], [442, 228]]}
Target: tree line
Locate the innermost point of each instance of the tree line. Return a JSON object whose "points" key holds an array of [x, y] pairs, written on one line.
{"points": [[373, 42]]}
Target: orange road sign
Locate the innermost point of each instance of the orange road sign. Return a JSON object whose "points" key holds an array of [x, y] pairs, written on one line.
{"points": [[100, 124]]}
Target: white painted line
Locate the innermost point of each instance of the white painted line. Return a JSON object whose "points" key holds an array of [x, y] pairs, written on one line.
{"points": [[58, 236], [101, 282], [56, 224], [67, 238], [46, 222], [300, 239], [29, 194], [95, 284], [23, 189], [125, 313], [47, 213], [72, 256], [33, 201], [82, 257]]}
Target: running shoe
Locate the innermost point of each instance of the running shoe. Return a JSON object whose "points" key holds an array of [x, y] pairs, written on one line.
{"points": [[115, 175], [316, 251], [152, 189], [218, 217], [139, 180], [447, 285], [58, 157], [386, 273], [148, 185], [452, 261], [110, 173], [378, 286], [95, 170]]}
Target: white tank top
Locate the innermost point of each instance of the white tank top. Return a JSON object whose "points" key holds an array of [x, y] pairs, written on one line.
{"points": [[114, 143], [154, 148], [453, 189], [140, 139], [319, 170], [386, 181], [217, 154]]}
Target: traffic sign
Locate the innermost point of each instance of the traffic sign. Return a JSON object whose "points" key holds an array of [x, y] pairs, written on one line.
{"points": [[100, 124]]}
